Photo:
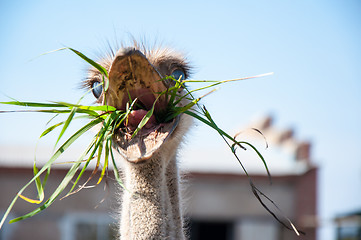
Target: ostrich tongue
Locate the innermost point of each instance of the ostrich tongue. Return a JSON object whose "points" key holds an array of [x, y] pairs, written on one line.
{"points": [[136, 116], [131, 76]]}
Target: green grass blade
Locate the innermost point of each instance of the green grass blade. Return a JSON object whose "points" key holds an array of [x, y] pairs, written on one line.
{"points": [[259, 155], [56, 111], [56, 193], [68, 176], [106, 159], [229, 80], [105, 108], [178, 110], [90, 157], [60, 150], [210, 124], [124, 115], [45, 180], [51, 128], [115, 168], [221, 132], [33, 104], [66, 124], [39, 188], [100, 68], [39, 185], [173, 92], [99, 149], [52, 51], [51, 119], [98, 143], [145, 119]]}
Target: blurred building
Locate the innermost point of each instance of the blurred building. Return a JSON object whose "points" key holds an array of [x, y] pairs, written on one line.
{"points": [[220, 203], [349, 226]]}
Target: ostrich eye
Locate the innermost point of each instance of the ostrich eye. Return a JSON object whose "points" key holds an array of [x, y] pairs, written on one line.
{"points": [[97, 89], [178, 74]]}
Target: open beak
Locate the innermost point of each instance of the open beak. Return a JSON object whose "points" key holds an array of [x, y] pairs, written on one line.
{"points": [[132, 76]]}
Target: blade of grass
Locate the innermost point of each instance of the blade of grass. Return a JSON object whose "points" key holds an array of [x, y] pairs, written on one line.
{"points": [[100, 68], [173, 91], [178, 110], [215, 83], [98, 148], [40, 186], [229, 80], [60, 150], [51, 119], [146, 118], [66, 124], [210, 124], [33, 104], [115, 168], [68, 176], [99, 139], [106, 159], [105, 108], [51, 128], [259, 155], [53, 197]]}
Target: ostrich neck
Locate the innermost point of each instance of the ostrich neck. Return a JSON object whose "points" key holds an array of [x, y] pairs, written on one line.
{"points": [[151, 206]]}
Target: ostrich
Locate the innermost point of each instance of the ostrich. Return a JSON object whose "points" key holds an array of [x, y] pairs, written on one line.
{"points": [[151, 204]]}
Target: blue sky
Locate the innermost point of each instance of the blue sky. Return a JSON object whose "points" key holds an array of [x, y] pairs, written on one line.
{"points": [[313, 48]]}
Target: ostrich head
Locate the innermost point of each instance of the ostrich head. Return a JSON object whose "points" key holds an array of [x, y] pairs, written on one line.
{"points": [[135, 74]]}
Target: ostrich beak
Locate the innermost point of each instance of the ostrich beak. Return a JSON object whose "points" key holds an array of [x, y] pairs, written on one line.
{"points": [[132, 76]]}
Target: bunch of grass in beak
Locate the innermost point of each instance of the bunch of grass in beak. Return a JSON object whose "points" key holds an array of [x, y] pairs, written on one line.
{"points": [[110, 119]]}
